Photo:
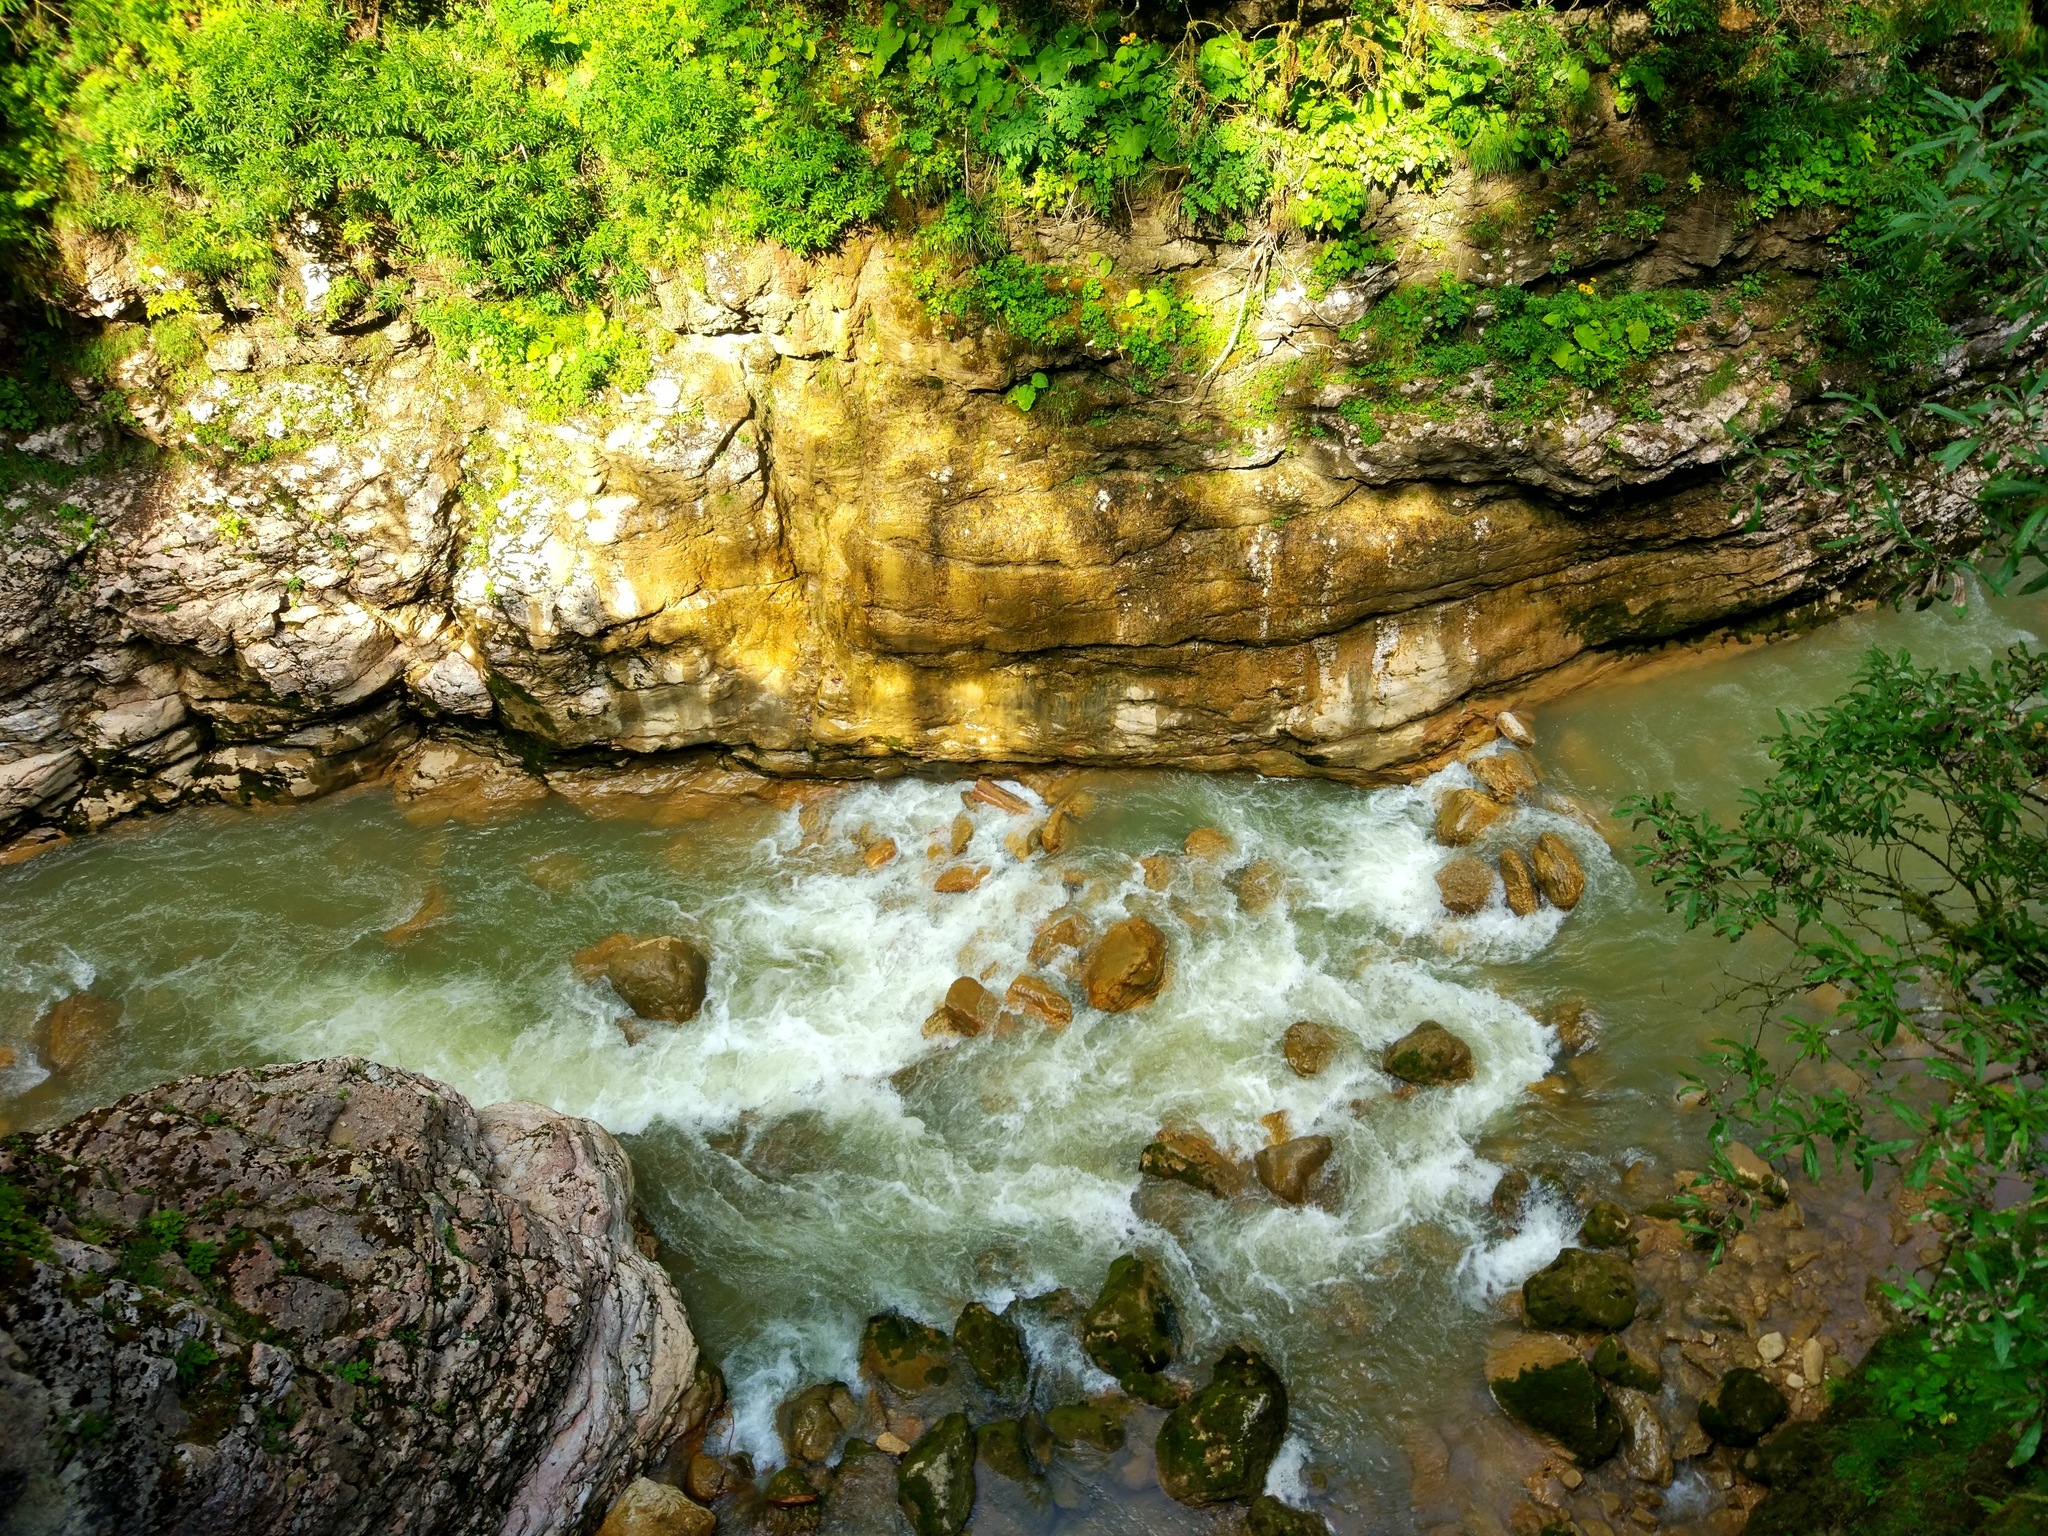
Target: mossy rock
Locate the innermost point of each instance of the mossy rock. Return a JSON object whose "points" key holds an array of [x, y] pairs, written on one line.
{"points": [[1003, 1446], [935, 1479], [1218, 1445], [1153, 1391], [1625, 1367], [2024, 1514], [1133, 1327], [790, 1488], [905, 1353], [993, 1348], [1269, 1517], [1085, 1424], [1606, 1225], [1748, 1407], [1428, 1055], [1566, 1402], [1581, 1292]]}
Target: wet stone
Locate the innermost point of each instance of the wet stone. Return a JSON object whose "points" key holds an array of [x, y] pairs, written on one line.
{"points": [[1518, 883], [812, 1422], [968, 1009], [1429, 1055], [1564, 1401], [1257, 885], [1559, 874], [1153, 1391], [1219, 1444], [1206, 843], [906, 1354], [1626, 1367], [76, 1027], [1134, 1326], [661, 978], [791, 1488], [1191, 1158], [993, 1349], [935, 1480], [1464, 885], [1507, 775], [1126, 966], [1463, 816], [648, 1508], [1290, 1169], [1747, 1407], [1038, 997], [1310, 1046], [1003, 1447], [1065, 929], [863, 1501], [1606, 1225], [1581, 1292]]}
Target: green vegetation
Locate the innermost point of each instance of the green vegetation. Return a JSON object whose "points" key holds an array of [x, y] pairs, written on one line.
{"points": [[22, 1236]]}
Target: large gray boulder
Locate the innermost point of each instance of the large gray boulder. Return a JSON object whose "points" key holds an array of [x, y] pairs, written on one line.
{"points": [[328, 1297]]}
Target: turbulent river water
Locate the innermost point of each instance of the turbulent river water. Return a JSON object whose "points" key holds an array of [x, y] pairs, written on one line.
{"points": [[810, 1157]]}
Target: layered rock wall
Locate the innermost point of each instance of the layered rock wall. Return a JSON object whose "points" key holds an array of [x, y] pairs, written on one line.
{"points": [[821, 538]]}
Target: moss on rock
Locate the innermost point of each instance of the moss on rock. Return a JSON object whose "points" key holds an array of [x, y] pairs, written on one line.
{"points": [[1218, 1445]]}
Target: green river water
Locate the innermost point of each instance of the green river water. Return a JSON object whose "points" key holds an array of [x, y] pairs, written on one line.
{"points": [[809, 1157]]}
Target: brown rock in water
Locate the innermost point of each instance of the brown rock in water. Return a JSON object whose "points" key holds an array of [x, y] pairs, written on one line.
{"points": [[1126, 966], [1158, 868], [1257, 885], [957, 879], [705, 1478], [1506, 775], [658, 978], [1290, 1168], [963, 833], [1573, 1021], [989, 792], [1022, 843], [648, 1508], [442, 781], [1518, 883], [1191, 1157], [1428, 1055], [1206, 843], [881, 851], [74, 1028], [432, 908], [1514, 728], [1057, 832], [1041, 999], [543, 1411], [7, 1057], [1065, 929], [1558, 872], [1753, 1173], [1464, 884], [969, 1009], [1310, 1046], [1464, 814], [910, 1356]]}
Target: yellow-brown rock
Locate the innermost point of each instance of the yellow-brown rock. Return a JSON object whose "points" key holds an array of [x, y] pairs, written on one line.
{"points": [[1464, 884], [1310, 1046], [879, 852], [969, 1009], [1126, 966], [1065, 929], [1206, 843], [76, 1027], [1057, 832], [1258, 885], [1558, 872], [1191, 1157], [1158, 871], [1041, 999], [648, 1508], [957, 879], [989, 792], [1463, 815], [1506, 775], [1518, 882], [962, 834]]}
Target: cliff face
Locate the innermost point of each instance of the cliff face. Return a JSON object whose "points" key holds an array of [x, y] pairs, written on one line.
{"points": [[328, 1297], [821, 536]]}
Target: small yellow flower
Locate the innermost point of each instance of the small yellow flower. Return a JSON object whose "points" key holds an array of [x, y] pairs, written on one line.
{"points": [[1585, 287], [1130, 37]]}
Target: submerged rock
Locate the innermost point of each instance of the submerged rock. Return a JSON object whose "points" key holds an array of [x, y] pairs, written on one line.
{"points": [[1581, 1292], [1291, 1167], [907, 1354], [1085, 1424], [1626, 1367], [1558, 872], [1036, 996], [1748, 1407], [658, 978], [993, 1349], [935, 1480], [790, 1488], [1134, 1326], [1563, 1400], [1645, 1445], [1125, 967], [306, 1277], [1463, 816], [1429, 1055], [1206, 843], [1190, 1157], [1464, 884], [1310, 1046], [968, 1008], [1257, 885], [1269, 1517], [863, 1501], [812, 1422], [74, 1028], [1218, 1445], [1506, 775], [648, 1508], [1004, 1447]]}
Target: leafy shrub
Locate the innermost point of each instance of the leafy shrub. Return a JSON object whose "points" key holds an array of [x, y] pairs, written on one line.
{"points": [[807, 186]]}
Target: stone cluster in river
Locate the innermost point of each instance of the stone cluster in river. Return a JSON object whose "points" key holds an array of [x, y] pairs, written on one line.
{"points": [[1546, 871], [939, 1414], [329, 1297]]}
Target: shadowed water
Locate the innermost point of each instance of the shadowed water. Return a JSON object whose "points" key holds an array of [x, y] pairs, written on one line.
{"points": [[809, 1156]]}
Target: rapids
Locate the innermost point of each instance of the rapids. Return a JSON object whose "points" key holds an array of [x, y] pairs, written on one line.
{"points": [[810, 1157]]}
